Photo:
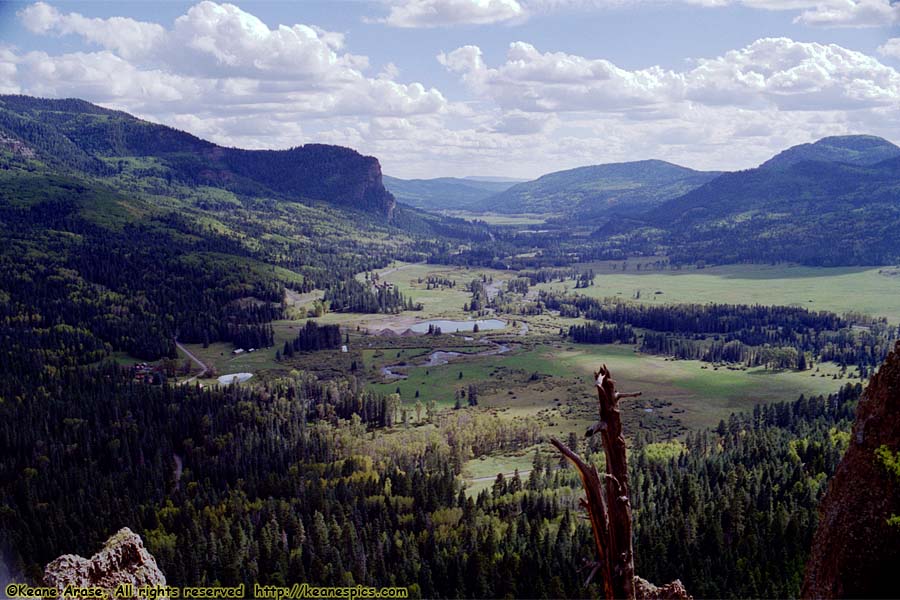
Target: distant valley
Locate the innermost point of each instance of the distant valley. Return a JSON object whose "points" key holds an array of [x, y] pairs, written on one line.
{"points": [[400, 370], [447, 193]]}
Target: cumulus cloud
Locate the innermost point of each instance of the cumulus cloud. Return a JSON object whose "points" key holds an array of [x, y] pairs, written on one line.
{"points": [[555, 81], [771, 72], [222, 38], [443, 13], [217, 70], [794, 76], [521, 123], [816, 13], [127, 37], [852, 13], [224, 74], [890, 48]]}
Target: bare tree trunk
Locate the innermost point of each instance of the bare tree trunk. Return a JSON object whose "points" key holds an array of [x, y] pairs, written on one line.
{"points": [[609, 512]]}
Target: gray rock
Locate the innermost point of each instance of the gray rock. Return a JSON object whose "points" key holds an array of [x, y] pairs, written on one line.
{"points": [[123, 559]]}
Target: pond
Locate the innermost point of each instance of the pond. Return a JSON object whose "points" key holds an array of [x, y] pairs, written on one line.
{"points": [[454, 326]]}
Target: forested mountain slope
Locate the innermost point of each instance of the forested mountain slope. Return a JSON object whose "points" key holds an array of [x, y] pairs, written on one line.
{"points": [[814, 212], [835, 202], [863, 150], [77, 135], [600, 190], [444, 193], [122, 235]]}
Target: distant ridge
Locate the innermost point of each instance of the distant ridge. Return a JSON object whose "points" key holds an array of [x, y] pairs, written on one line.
{"points": [[597, 191], [445, 193], [864, 150], [494, 179], [77, 135], [834, 202]]}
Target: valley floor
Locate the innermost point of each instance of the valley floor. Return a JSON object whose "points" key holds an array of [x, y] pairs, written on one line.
{"points": [[527, 370]]}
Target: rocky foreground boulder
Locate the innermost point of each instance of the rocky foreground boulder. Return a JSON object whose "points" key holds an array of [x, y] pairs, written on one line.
{"points": [[123, 559], [644, 590], [856, 550]]}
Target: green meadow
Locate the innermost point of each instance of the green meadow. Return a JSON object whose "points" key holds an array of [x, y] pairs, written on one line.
{"points": [[873, 291]]}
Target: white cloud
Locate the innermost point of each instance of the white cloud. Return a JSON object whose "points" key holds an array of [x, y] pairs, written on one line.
{"points": [[516, 122], [225, 75], [823, 13], [214, 63], [222, 38], [9, 72], [852, 13], [817, 13], [549, 82], [890, 48], [771, 72], [127, 37], [826, 13], [443, 13], [101, 77], [794, 76]]}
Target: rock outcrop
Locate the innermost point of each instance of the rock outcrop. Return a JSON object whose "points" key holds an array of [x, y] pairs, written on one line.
{"points": [[856, 552], [644, 590], [123, 559]]}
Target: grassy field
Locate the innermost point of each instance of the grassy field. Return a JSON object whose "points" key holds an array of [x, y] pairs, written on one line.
{"points": [[552, 382], [501, 219], [874, 291], [437, 302], [704, 393], [548, 378], [218, 355], [545, 377], [441, 382], [481, 472]]}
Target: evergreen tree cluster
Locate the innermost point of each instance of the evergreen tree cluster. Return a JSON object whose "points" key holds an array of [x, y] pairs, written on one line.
{"points": [[282, 483], [351, 295], [777, 336], [733, 513], [597, 333], [314, 337]]}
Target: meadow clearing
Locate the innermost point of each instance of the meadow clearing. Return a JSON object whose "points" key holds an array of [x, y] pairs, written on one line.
{"points": [[874, 291], [542, 375]]}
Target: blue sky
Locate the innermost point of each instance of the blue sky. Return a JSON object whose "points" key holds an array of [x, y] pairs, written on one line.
{"points": [[477, 87]]}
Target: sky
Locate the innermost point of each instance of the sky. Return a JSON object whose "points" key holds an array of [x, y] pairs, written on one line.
{"points": [[513, 88]]}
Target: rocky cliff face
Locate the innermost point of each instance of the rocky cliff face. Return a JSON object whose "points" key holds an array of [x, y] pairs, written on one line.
{"points": [[856, 552], [123, 559], [334, 174]]}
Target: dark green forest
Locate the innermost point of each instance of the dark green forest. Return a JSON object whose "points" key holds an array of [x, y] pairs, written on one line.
{"points": [[122, 237], [284, 482]]}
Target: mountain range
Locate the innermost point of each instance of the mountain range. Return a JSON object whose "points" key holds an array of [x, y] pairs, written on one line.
{"points": [[600, 190], [446, 193], [833, 202], [842, 186], [74, 135], [862, 150], [128, 235]]}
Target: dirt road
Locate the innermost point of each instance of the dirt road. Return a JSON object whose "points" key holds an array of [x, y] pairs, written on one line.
{"points": [[203, 368]]}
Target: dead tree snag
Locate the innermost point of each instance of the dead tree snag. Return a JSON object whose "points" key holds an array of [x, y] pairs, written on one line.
{"points": [[608, 504]]}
